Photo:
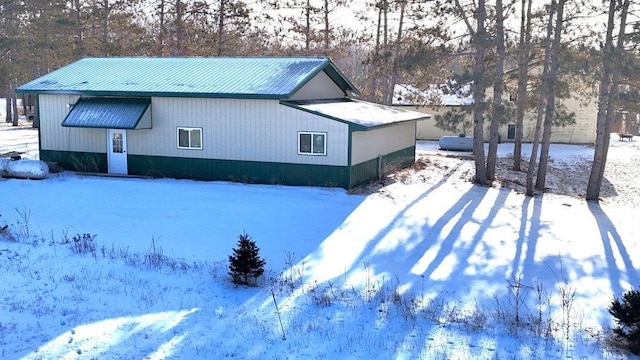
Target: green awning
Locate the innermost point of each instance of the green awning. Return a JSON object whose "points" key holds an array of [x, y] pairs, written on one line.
{"points": [[107, 113]]}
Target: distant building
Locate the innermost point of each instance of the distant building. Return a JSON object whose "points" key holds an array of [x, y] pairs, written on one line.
{"points": [[439, 100]]}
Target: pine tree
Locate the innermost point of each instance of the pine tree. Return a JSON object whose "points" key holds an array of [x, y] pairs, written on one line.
{"points": [[627, 314], [245, 265]]}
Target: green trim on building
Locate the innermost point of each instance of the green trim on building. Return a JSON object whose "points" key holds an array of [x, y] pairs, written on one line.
{"points": [[367, 171], [239, 171], [152, 94], [76, 161], [251, 172]]}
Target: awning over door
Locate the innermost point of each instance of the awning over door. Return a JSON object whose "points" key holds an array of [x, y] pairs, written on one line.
{"points": [[109, 113]]}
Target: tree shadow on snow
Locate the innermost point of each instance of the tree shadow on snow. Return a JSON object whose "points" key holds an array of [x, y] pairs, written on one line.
{"points": [[612, 241], [436, 261], [528, 234], [439, 253]]}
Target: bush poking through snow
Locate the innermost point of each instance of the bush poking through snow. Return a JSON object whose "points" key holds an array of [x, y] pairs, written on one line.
{"points": [[3, 226], [245, 265], [83, 244], [627, 315], [155, 258]]}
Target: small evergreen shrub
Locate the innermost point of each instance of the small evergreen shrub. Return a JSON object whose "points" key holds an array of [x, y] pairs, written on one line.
{"points": [[245, 265], [627, 315]]}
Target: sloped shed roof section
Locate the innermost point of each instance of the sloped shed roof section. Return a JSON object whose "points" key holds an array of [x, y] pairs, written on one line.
{"points": [[271, 78], [361, 114], [106, 113]]}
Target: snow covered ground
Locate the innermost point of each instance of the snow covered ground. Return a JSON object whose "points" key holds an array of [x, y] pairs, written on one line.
{"points": [[422, 266]]}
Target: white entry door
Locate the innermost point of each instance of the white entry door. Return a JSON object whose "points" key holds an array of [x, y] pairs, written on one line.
{"points": [[117, 148]]}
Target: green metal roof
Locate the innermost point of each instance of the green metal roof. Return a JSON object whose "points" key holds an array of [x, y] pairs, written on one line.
{"points": [[363, 115], [272, 78], [110, 113]]}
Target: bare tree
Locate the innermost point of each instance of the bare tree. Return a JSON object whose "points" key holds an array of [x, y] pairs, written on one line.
{"points": [[162, 31], [221, 19], [10, 12], [393, 78], [304, 27], [375, 60], [105, 26], [178, 23], [327, 27]]}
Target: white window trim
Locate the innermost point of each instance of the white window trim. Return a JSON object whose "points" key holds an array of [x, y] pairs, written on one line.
{"points": [[189, 129], [313, 133]]}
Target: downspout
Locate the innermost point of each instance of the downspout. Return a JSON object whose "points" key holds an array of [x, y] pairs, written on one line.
{"points": [[349, 158], [36, 122]]}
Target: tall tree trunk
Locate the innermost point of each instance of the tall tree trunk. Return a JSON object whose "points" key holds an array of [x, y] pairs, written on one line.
{"points": [[307, 33], [385, 48], [375, 61], [385, 16], [606, 94], [105, 27], [497, 113], [394, 67], [478, 93], [8, 108], [162, 31], [179, 28], [523, 79], [541, 102], [77, 7], [326, 28], [479, 41], [14, 107], [78, 31], [551, 91], [221, 27]]}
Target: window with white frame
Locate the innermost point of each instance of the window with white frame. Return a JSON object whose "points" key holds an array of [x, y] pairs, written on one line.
{"points": [[189, 138], [312, 143]]}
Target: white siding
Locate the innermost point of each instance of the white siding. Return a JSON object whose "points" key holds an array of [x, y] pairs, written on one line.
{"points": [[145, 121], [320, 87], [238, 129], [53, 109], [369, 144], [427, 129], [582, 132]]}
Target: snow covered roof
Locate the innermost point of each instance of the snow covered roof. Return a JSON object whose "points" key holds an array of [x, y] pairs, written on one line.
{"points": [[437, 94], [360, 113]]}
